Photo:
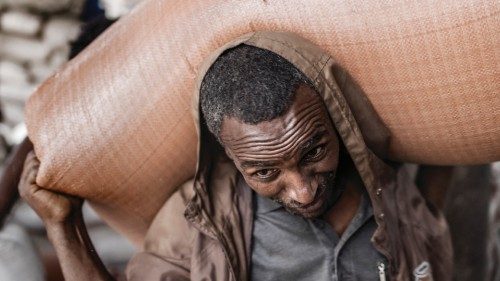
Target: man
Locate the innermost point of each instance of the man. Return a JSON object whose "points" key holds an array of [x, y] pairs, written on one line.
{"points": [[324, 207]]}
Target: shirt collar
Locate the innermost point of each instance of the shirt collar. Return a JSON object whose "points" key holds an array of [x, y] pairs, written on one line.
{"points": [[265, 205]]}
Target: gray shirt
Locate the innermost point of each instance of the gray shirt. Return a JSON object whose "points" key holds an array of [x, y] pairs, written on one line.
{"points": [[288, 247]]}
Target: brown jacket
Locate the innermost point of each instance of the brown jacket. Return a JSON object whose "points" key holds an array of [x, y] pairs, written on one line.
{"points": [[204, 230]]}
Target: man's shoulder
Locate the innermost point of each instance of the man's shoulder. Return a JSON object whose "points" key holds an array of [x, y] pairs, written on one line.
{"points": [[170, 233], [168, 243]]}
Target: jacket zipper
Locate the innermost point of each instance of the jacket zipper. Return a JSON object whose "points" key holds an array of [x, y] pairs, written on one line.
{"points": [[381, 271]]}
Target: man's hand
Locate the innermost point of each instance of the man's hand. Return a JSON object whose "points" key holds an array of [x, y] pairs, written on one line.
{"points": [[52, 207], [62, 216]]}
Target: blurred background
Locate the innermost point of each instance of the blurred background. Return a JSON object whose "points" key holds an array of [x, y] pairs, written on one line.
{"points": [[38, 36]]}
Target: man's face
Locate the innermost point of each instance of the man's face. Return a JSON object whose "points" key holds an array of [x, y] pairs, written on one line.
{"points": [[291, 159]]}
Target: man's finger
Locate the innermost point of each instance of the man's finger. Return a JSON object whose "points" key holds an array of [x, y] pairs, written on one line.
{"points": [[30, 168], [26, 190], [29, 159], [32, 160], [31, 176], [27, 165], [30, 155]]}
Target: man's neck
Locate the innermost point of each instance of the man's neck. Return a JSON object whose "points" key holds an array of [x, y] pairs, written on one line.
{"points": [[341, 214]]}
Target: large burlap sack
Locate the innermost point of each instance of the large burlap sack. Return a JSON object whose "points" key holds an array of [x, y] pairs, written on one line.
{"points": [[115, 126]]}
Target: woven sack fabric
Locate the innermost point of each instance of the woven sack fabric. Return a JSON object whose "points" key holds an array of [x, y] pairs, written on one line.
{"points": [[115, 124]]}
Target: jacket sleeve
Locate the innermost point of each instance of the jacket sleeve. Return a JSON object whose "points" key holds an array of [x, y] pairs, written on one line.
{"points": [[168, 243]]}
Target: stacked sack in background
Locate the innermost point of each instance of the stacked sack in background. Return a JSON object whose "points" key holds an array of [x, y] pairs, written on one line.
{"points": [[34, 42]]}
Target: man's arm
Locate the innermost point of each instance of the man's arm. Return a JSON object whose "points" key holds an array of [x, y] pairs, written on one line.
{"points": [[62, 216]]}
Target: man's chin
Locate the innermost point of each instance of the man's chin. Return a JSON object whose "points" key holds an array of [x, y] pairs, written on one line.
{"points": [[305, 215]]}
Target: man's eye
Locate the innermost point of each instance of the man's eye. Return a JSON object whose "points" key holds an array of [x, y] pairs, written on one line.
{"points": [[314, 153], [266, 173]]}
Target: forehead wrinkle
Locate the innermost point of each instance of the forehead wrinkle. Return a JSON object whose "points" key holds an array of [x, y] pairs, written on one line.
{"points": [[258, 163], [285, 140], [290, 130], [313, 140], [303, 110], [292, 140], [282, 140], [259, 155], [290, 148]]}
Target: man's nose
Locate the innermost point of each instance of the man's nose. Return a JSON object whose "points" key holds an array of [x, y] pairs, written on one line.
{"points": [[301, 189]]}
